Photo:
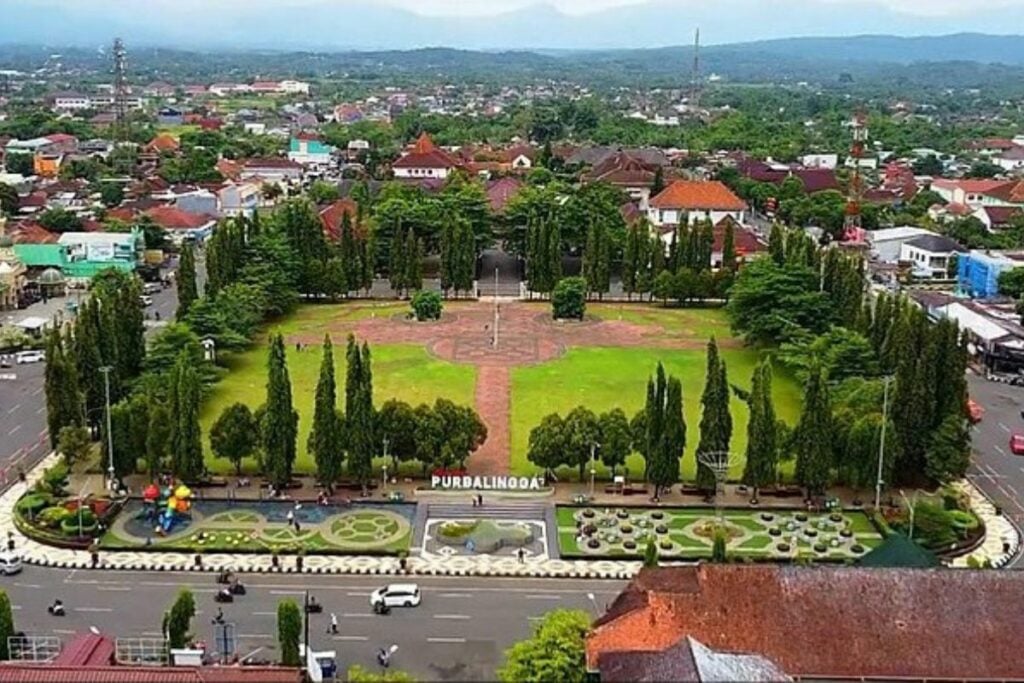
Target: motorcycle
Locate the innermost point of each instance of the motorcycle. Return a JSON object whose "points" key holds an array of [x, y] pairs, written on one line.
{"points": [[314, 608], [381, 608], [224, 577], [56, 609], [237, 588], [224, 595]]}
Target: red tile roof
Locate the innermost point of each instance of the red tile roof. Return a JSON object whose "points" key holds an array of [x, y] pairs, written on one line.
{"points": [[1002, 215], [502, 190], [425, 154], [30, 232], [331, 217], [744, 240], [173, 218], [162, 143], [87, 649], [972, 185], [228, 168], [271, 162], [826, 622], [1011, 191], [703, 195]]}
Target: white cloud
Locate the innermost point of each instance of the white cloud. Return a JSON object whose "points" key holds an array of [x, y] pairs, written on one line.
{"points": [[486, 7]]}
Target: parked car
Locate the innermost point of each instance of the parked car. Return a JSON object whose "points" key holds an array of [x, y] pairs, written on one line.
{"points": [[23, 357], [10, 563], [1017, 444], [151, 288], [396, 595], [146, 300]]}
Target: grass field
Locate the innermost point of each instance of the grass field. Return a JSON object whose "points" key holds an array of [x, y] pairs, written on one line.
{"points": [[606, 378], [698, 323], [405, 372], [688, 532]]}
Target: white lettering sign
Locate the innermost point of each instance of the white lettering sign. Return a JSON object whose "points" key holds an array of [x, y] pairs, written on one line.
{"points": [[466, 482]]}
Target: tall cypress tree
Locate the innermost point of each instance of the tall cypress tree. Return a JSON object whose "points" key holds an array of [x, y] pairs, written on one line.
{"points": [[280, 423], [63, 399], [397, 267], [716, 420], [325, 437], [188, 455], [777, 244], [729, 247], [414, 262], [88, 362], [130, 329], [188, 291], [349, 254], [464, 262], [359, 412], [448, 256], [761, 468], [673, 436], [554, 255], [631, 259], [814, 434]]}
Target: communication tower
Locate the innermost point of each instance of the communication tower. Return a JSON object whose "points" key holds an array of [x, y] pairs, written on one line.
{"points": [[853, 230], [120, 56]]}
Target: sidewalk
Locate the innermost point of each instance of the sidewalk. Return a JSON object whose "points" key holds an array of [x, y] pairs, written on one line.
{"points": [[1000, 532]]}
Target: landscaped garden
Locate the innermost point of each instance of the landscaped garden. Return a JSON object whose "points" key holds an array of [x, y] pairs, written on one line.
{"points": [[689, 533], [223, 526]]}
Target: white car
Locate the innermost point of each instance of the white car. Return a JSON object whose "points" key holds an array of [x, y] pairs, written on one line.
{"points": [[146, 300], [23, 357], [151, 288], [396, 595], [10, 563]]}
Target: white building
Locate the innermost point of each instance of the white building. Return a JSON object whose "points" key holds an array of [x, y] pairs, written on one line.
{"points": [[930, 255], [293, 87], [825, 161], [887, 244], [693, 200]]}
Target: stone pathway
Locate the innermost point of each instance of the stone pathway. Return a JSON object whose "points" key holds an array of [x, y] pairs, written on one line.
{"points": [[1000, 532], [494, 405]]}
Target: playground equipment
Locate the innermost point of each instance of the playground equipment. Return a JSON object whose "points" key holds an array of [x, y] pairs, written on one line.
{"points": [[167, 505]]}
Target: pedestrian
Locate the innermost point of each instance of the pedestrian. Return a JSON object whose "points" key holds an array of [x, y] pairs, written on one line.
{"points": [[334, 624], [521, 555], [290, 517], [474, 501], [156, 315], [219, 619], [480, 500], [298, 528], [298, 346]]}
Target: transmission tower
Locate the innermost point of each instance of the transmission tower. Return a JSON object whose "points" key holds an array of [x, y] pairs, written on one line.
{"points": [[695, 75], [120, 56], [852, 229]]}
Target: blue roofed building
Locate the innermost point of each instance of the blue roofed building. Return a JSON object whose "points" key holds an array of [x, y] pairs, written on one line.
{"points": [[978, 271]]}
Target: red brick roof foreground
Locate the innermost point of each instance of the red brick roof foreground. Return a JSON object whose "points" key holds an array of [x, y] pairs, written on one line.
{"points": [[14, 672], [698, 194], [827, 622]]}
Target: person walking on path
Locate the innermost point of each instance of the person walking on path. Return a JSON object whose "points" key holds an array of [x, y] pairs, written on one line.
{"points": [[334, 624]]}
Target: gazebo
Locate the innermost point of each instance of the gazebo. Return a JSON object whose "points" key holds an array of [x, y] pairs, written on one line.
{"points": [[51, 281]]}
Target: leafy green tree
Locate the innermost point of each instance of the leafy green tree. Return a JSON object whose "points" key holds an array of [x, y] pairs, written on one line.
{"points": [[396, 423], [1011, 283], [280, 424], [413, 262], [398, 255], [427, 305], [6, 625], [770, 303], [761, 468], [9, 200], [949, 453], [615, 438], [74, 443], [289, 632], [111, 194], [569, 299], [719, 553], [63, 399], [158, 436], [357, 674], [60, 220], [555, 652], [596, 260], [178, 620], [581, 438], [234, 436], [664, 286], [325, 438], [359, 412], [813, 437], [88, 361], [716, 419], [188, 292], [22, 164], [841, 353], [547, 448], [729, 248], [651, 553]]}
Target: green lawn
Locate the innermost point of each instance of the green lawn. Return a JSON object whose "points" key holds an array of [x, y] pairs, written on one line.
{"points": [[405, 372], [699, 323], [606, 378]]}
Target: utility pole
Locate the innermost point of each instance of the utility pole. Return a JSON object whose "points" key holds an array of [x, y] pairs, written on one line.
{"points": [[120, 55], [695, 76], [110, 434], [305, 629], [881, 441]]}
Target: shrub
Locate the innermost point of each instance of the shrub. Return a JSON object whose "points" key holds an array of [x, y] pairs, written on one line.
{"points": [[651, 554], [457, 529], [52, 516], [569, 300], [54, 480], [426, 305], [32, 503], [934, 526]]}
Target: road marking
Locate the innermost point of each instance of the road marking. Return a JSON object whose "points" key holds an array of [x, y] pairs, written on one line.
{"points": [[543, 597], [15, 607], [287, 592], [1000, 450], [16, 428], [152, 634], [352, 638], [1012, 490], [37, 391], [28, 585], [94, 609], [115, 588], [264, 614], [42, 409], [64, 631], [350, 615], [13, 409], [357, 595], [256, 636], [452, 616], [446, 640], [1004, 428], [456, 595]]}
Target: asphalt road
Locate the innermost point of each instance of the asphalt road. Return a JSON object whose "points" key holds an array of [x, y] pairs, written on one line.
{"points": [[459, 632], [994, 468], [23, 435]]}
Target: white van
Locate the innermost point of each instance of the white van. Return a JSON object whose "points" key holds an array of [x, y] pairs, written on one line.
{"points": [[10, 563], [396, 595], [23, 357]]}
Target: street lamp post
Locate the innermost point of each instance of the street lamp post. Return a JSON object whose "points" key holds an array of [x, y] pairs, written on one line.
{"points": [[496, 316], [911, 504], [384, 467], [593, 466], [881, 443], [110, 435]]}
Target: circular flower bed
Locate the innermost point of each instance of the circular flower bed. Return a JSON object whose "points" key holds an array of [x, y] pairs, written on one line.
{"points": [[657, 514], [782, 547], [708, 529], [811, 532], [593, 544], [589, 514], [767, 517], [775, 531], [801, 517], [820, 548], [665, 545], [857, 548], [661, 529], [625, 529], [621, 514], [836, 517], [846, 533], [629, 545]]}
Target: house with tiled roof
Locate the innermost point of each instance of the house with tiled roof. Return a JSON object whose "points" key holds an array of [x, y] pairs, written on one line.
{"points": [[272, 169], [692, 200], [997, 218], [425, 160], [164, 143], [630, 174], [976, 193], [333, 215], [813, 179], [822, 623], [745, 241], [182, 225], [500, 191]]}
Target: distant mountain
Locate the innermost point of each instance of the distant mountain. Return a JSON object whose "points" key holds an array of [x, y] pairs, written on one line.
{"points": [[332, 25]]}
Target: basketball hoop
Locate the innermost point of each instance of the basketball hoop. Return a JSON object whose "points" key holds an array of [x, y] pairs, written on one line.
{"points": [[719, 463]]}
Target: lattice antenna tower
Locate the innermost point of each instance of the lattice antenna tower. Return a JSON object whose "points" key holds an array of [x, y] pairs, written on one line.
{"points": [[695, 74], [855, 194], [120, 56]]}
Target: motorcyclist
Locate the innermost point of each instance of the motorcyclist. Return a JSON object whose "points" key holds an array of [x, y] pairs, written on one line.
{"points": [[57, 608]]}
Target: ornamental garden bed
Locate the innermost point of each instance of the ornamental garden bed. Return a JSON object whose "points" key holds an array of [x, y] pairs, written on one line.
{"points": [[688, 533], [48, 515]]}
